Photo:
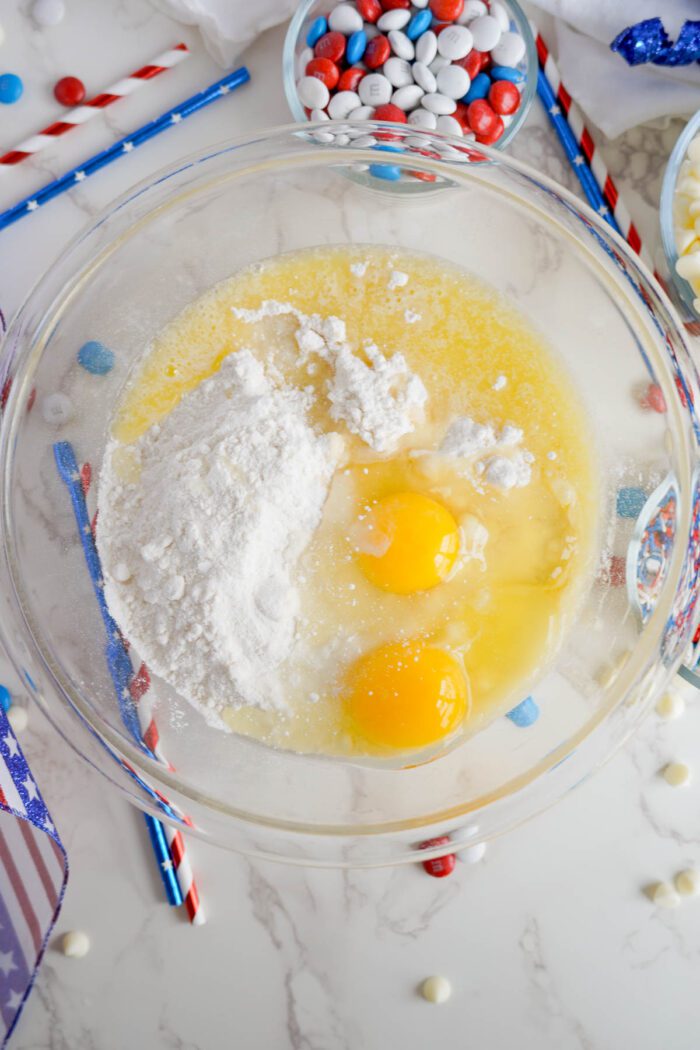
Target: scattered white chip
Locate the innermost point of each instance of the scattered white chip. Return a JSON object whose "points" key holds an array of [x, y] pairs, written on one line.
{"points": [[358, 269], [410, 316], [687, 882], [671, 705], [57, 409], [677, 774], [75, 944], [18, 718], [500, 383], [664, 895], [436, 989], [397, 280]]}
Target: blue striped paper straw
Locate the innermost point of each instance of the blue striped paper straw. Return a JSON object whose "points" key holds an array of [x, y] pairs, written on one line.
{"points": [[166, 866], [571, 147], [125, 145]]}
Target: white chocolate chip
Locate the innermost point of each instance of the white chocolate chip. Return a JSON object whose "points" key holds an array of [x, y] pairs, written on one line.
{"points": [[436, 989], [75, 944], [473, 854], [664, 895], [677, 774], [671, 705], [18, 718]]}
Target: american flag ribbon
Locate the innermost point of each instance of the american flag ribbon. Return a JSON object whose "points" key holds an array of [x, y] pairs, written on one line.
{"points": [[33, 876]]}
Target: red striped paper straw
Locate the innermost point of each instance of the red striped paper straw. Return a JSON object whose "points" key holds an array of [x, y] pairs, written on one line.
{"points": [[87, 110]]}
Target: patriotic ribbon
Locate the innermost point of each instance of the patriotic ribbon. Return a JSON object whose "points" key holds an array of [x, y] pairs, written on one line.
{"points": [[33, 876]]}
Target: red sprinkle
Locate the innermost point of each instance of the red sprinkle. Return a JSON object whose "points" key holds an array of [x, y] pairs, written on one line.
{"points": [[378, 50], [324, 70], [653, 398], [504, 97], [331, 45], [494, 134], [481, 117], [370, 10], [439, 867], [69, 91], [447, 10], [350, 78], [388, 111], [616, 571]]}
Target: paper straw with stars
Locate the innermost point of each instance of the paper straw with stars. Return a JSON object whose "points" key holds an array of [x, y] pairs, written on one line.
{"points": [[124, 145]]}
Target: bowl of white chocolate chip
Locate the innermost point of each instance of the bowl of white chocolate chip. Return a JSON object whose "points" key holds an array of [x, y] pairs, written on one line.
{"points": [[680, 215]]}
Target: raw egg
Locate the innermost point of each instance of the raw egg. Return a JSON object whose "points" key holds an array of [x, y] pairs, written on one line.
{"points": [[407, 542], [406, 695]]}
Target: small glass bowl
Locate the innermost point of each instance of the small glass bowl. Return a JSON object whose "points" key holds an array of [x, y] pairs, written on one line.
{"points": [[309, 10], [683, 290]]}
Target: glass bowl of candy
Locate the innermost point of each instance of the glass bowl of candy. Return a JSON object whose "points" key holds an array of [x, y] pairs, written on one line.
{"points": [[551, 279], [466, 68], [679, 211]]}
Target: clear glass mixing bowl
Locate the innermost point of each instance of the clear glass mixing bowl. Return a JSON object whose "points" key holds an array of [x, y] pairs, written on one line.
{"points": [[163, 245]]}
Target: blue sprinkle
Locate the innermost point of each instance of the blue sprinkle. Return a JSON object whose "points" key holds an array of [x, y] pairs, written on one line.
{"points": [[525, 714], [507, 73], [317, 29], [96, 358], [11, 88], [5, 698], [356, 47], [420, 22], [630, 502], [480, 87]]}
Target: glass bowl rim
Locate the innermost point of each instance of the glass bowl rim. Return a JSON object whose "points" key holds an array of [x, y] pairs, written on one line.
{"points": [[668, 188]]}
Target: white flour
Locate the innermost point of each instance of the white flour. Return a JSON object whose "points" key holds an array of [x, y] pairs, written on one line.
{"points": [[477, 451], [198, 553]]}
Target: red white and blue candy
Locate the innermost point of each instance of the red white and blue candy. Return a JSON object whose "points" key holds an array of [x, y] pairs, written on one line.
{"points": [[448, 65]]}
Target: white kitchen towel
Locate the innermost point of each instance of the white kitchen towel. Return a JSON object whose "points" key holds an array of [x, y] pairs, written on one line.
{"points": [[614, 95], [228, 26]]}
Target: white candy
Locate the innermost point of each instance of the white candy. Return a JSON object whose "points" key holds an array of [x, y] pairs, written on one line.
{"points": [[341, 140], [424, 77], [426, 47], [438, 63], [439, 104], [486, 32], [365, 142], [418, 143], [343, 103], [455, 42], [407, 98], [436, 989], [362, 113], [395, 19], [75, 944], [420, 3], [345, 19], [2, 35], [401, 45], [302, 61], [422, 118], [18, 718], [449, 126], [48, 12], [500, 13], [374, 90], [398, 72], [370, 31], [319, 114], [313, 93], [324, 136], [57, 409], [509, 50], [472, 9], [473, 854], [453, 81]]}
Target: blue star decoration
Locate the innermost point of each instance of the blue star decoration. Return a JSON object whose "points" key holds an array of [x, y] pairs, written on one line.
{"points": [[648, 41]]}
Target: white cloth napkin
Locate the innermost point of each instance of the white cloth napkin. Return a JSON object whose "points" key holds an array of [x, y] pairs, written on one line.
{"points": [[614, 95], [228, 26]]}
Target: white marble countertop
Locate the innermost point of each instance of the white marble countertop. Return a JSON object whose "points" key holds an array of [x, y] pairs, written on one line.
{"points": [[549, 942]]}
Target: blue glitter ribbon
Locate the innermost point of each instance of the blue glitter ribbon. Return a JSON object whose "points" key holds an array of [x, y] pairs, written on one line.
{"points": [[648, 41]]}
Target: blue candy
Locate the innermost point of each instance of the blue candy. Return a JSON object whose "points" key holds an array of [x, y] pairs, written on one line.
{"points": [[96, 358], [356, 47], [11, 88], [420, 22], [525, 714], [507, 73], [317, 29], [389, 172], [630, 502], [5, 698], [479, 87]]}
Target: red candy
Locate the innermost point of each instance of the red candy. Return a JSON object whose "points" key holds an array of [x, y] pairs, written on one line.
{"points": [[447, 10], [504, 97], [439, 867], [350, 78], [391, 5], [370, 10], [461, 115], [332, 46], [389, 111], [494, 134], [653, 398], [473, 62], [378, 50], [69, 91], [481, 117], [324, 70]]}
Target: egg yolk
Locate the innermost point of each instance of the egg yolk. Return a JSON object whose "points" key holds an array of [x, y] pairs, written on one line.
{"points": [[407, 542], [406, 695]]}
